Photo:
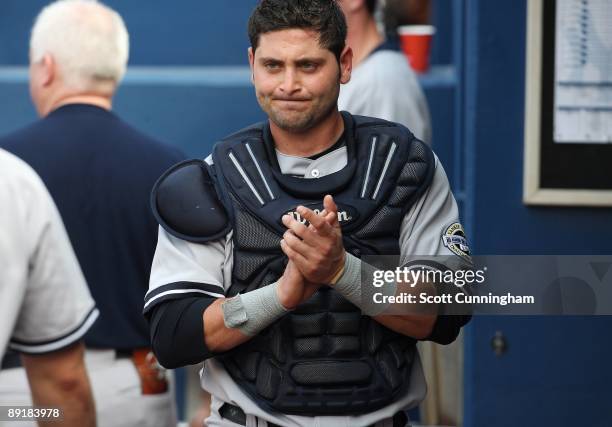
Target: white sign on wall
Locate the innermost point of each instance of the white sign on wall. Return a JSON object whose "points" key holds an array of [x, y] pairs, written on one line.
{"points": [[583, 72]]}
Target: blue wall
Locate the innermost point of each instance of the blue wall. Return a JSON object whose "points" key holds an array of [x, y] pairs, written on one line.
{"points": [[556, 370], [162, 32]]}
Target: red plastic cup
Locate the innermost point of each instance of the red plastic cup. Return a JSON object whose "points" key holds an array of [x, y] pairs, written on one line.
{"points": [[416, 43]]}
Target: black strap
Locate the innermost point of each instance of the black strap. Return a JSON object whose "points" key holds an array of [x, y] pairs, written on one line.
{"points": [[233, 413], [236, 415], [400, 419], [123, 354]]}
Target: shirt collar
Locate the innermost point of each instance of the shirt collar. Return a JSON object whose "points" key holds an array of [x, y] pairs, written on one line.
{"points": [[304, 167]]}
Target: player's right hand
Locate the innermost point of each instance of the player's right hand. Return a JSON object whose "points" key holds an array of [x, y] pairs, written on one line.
{"points": [[293, 289]]}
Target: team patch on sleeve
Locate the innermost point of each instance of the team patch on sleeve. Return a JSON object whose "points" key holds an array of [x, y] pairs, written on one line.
{"points": [[455, 240]]}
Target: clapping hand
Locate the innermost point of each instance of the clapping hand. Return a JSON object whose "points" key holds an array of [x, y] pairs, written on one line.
{"points": [[317, 249]]}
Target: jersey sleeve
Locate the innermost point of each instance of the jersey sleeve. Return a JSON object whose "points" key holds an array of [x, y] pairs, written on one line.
{"points": [[56, 307], [185, 269], [432, 229]]}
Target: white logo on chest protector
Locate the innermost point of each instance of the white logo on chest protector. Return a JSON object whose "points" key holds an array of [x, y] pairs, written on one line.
{"points": [[343, 216]]}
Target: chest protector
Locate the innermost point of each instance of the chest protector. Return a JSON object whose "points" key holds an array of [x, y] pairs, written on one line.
{"points": [[324, 358]]}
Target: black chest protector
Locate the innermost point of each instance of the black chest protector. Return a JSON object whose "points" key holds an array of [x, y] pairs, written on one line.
{"points": [[324, 358]]}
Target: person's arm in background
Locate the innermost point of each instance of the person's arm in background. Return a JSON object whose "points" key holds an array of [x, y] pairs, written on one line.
{"points": [[59, 380], [50, 304]]}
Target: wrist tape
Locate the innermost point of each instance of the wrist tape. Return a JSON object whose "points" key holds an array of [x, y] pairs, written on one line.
{"points": [[253, 311], [349, 285]]}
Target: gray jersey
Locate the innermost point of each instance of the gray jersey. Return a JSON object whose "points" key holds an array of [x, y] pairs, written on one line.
{"points": [[385, 86], [177, 261], [44, 300]]}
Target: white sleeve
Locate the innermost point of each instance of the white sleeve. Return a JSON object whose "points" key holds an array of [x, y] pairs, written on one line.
{"points": [[56, 307], [181, 268], [431, 227]]}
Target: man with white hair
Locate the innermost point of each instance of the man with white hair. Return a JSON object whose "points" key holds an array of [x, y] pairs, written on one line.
{"points": [[100, 172], [44, 302]]}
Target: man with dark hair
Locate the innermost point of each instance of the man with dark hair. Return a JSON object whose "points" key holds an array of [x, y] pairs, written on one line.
{"points": [[328, 22], [257, 267], [382, 83]]}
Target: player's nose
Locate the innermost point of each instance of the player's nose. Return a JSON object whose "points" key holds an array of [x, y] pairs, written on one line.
{"points": [[290, 82]]}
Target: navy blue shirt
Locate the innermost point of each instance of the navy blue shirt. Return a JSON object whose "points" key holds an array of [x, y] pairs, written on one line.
{"points": [[100, 172]]}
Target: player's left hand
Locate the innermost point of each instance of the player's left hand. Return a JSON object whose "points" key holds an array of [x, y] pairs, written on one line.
{"points": [[317, 249]]}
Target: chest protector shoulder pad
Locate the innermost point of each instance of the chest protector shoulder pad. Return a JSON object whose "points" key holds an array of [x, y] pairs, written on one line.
{"points": [[185, 203]]}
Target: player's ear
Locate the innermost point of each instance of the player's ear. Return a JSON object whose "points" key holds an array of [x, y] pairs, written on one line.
{"points": [[346, 64], [251, 62]]}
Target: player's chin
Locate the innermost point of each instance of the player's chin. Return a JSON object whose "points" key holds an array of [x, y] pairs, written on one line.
{"points": [[296, 123]]}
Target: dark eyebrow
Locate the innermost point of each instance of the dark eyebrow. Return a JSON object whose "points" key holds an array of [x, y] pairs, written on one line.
{"points": [[300, 61], [310, 60], [270, 60]]}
